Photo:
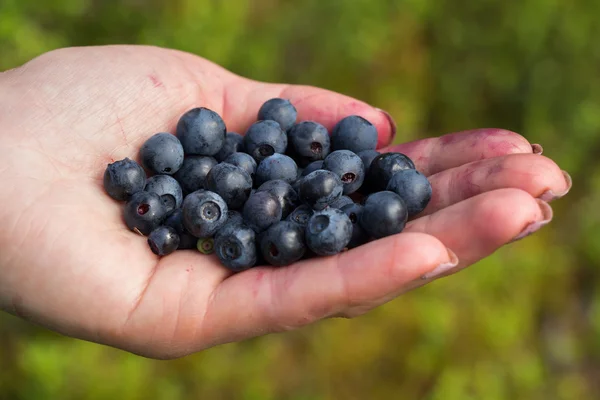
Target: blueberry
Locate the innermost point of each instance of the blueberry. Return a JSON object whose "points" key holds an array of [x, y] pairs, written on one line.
{"points": [[383, 167], [167, 188], [261, 211], [301, 215], [162, 154], [384, 214], [354, 133], [237, 249], [328, 232], [283, 243], [359, 236], [201, 132], [320, 188], [280, 110], [234, 221], [244, 161], [144, 212], [348, 166], [313, 166], [232, 183], [277, 166], [234, 142], [308, 141], [175, 220], [163, 240], [192, 174], [287, 196], [413, 187], [204, 212], [341, 202], [263, 139], [123, 178], [367, 157]]}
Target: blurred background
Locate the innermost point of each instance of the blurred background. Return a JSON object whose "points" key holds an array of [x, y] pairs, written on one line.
{"points": [[523, 324]]}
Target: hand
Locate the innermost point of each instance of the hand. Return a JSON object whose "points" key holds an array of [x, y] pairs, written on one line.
{"points": [[68, 262]]}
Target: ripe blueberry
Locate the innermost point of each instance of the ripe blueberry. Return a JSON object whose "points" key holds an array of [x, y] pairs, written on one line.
{"points": [[280, 110], [265, 138], [175, 220], [232, 183], [308, 141], [359, 236], [287, 196], [192, 174], [244, 161], [204, 212], [201, 132], [163, 241], [283, 243], [236, 249], [277, 166], [384, 214], [144, 212], [162, 153], [313, 166], [354, 133], [341, 202], [123, 178], [413, 187], [167, 188], [320, 188], [328, 232], [262, 210], [382, 168], [348, 166], [367, 157], [301, 215]]}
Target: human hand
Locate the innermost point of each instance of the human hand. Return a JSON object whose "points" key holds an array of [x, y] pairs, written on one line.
{"points": [[68, 262]]}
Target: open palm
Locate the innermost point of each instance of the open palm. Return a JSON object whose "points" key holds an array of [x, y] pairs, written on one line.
{"points": [[68, 262]]}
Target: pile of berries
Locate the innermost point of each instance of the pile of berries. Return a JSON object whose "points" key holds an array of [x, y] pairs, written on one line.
{"points": [[284, 191]]}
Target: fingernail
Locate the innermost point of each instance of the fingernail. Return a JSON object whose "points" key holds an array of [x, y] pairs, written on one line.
{"points": [[392, 124], [537, 148], [549, 195], [443, 268], [536, 225]]}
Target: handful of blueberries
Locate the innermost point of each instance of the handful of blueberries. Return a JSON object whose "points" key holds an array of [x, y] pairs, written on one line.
{"points": [[284, 191]]}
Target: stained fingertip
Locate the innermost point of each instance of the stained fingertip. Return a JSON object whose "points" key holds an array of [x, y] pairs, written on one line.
{"points": [[443, 269], [392, 129], [537, 149]]}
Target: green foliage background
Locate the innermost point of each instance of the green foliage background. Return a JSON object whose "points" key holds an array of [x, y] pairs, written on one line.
{"points": [[523, 324]]}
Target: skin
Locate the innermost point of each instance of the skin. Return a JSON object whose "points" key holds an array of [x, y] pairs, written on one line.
{"points": [[67, 261]]}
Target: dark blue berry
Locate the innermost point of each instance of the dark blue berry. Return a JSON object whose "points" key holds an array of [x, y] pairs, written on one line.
{"points": [[123, 178], [308, 141], [359, 236], [163, 241], [348, 166], [162, 154], [262, 210], [167, 188], [382, 168], [277, 166], [244, 161], [301, 215], [175, 220], [328, 232], [144, 212], [234, 221], [232, 183], [320, 188], [192, 174], [234, 142], [413, 187], [265, 138], [201, 132], [236, 249], [280, 110], [354, 133], [204, 212], [287, 196], [384, 214], [367, 157], [283, 243]]}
